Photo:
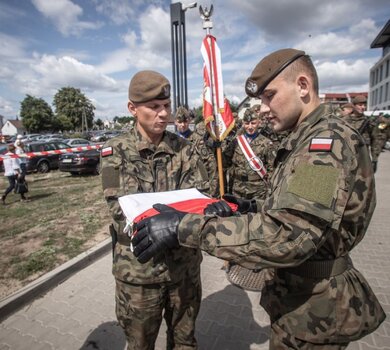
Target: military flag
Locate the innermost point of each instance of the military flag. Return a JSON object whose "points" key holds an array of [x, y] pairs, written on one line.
{"points": [[217, 114]]}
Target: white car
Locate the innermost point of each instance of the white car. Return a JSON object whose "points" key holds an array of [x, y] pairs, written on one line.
{"points": [[78, 142]]}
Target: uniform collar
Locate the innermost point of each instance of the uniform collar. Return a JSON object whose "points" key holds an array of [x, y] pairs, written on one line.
{"points": [[142, 144], [291, 141]]}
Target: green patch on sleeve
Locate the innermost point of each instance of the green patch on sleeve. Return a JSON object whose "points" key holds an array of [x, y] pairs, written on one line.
{"points": [[316, 183], [110, 177]]}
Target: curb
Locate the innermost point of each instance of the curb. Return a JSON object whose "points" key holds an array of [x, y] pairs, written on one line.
{"points": [[43, 284]]}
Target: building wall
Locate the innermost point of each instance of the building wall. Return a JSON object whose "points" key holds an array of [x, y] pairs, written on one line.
{"points": [[379, 97], [9, 129]]}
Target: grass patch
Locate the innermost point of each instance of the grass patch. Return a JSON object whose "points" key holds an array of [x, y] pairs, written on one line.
{"points": [[66, 216]]}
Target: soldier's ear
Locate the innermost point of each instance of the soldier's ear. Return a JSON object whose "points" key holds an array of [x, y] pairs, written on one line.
{"points": [[132, 108], [304, 85]]}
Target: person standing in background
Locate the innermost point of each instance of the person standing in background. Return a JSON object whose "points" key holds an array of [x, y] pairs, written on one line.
{"points": [[12, 171]]}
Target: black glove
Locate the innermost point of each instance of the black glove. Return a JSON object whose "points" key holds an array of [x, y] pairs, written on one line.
{"points": [[220, 208], [243, 205], [213, 144], [156, 234], [374, 165]]}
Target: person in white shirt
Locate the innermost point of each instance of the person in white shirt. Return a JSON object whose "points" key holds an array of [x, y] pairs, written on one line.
{"points": [[19, 149], [12, 171]]}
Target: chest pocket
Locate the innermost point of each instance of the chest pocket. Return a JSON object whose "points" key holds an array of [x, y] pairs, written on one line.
{"points": [[160, 171], [137, 175]]}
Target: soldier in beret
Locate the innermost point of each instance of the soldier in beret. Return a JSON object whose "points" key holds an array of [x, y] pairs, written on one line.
{"points": [[182, 122], [364, 125], [321, 202], [243, 181], [150, 159], [346, 110]]}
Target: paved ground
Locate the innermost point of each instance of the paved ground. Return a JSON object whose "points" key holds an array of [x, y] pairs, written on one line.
{"points": [[79, 313]]}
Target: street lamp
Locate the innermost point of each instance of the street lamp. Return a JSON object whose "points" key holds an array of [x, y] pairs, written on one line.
{"points": [[179, 55]]}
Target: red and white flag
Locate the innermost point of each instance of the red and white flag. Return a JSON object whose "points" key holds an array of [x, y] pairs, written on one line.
{"points": [[217, 114]]}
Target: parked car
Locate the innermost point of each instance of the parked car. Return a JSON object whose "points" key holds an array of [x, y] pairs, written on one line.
{"points": [[78, 142], [105, 135], [80, 162], [43, 163]]}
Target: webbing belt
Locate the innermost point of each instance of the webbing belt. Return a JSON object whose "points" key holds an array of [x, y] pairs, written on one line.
{"points": [[320, 269]]}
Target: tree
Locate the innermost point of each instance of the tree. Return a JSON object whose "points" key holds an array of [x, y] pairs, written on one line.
{"points": [[36, 114], [99, 123], [73, 109]]}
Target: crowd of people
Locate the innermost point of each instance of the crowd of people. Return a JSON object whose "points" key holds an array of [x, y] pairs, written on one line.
{"points": [[302, 179]]}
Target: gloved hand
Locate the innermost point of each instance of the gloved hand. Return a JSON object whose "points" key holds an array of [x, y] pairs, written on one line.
{"points": [[211, 143], [156, 234], [243, 205], [220, 208], [374, 165]]}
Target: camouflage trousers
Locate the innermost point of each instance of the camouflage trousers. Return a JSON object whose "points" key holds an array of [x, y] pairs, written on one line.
{"points": [[281, 340], [140, 309]]}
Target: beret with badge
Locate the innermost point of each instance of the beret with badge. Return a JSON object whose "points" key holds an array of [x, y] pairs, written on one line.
{"points": [[182, 114], [249, 115], [359, 99], [268, 68], [149, 85]]}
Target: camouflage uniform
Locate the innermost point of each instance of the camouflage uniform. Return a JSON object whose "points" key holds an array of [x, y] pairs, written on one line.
{"points": [[319, 209], [364, 125], [199, 138], [244, 182], [381, 135], [171, 283]]}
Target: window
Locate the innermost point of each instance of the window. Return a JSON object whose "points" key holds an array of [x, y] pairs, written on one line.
{"points": [[387, 68]]}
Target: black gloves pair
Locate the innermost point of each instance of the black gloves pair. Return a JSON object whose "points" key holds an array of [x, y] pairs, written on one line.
{"points": [[222, 209], [157, 234]]}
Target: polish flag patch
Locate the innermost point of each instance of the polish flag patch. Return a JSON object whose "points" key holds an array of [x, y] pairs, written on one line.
{"points": [[106, 151], [321, 145]]}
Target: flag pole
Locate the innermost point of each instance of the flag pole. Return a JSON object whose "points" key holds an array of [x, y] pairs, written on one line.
{"points": [[205, 14]]}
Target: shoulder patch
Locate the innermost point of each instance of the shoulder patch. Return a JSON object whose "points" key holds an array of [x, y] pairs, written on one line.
{"points": [[316, 183], [107, 151], [321, 144]]}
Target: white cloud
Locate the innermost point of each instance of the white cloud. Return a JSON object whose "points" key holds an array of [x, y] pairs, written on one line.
{"points": [[57, 72], [64, 14], [343, 75], [151, 49], [337, 44], [6, 107], [11, 47], [118, 11]]}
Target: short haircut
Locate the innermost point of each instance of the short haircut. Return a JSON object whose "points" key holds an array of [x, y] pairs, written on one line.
{"points": [[302, 64]]}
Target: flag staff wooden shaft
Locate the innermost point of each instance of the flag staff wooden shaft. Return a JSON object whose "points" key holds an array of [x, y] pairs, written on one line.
{"points": [[207, 25]]}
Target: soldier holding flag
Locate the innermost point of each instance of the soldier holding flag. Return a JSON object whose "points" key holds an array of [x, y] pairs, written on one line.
{"points": [[321, 203]]}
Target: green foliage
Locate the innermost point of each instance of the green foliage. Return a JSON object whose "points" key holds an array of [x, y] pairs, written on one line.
{"points": [[36, 114], [72, 107], [124, 119], [41, 260]]}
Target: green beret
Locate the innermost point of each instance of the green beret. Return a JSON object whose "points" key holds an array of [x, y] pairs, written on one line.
{"points": [[182, 115], [347, 105], [359, 99], [268, 68], [249, 115], [149, 85]]}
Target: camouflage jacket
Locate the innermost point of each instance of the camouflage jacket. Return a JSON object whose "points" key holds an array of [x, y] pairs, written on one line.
{"points": [[136, 166], [243, 181], [320, 206], [364, 125], [199, 138]]}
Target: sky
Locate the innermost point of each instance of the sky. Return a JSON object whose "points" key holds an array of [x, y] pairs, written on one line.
{"points": [[98, 45]]}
